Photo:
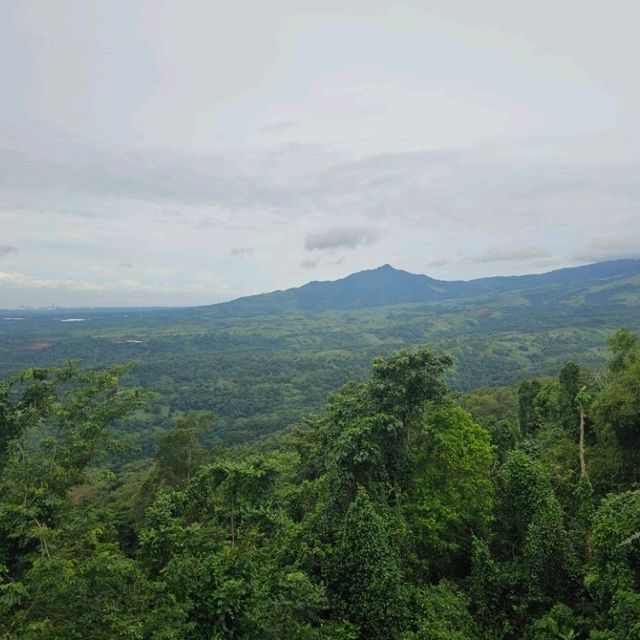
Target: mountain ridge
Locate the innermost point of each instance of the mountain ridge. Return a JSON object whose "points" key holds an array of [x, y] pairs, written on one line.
{"points": [[386, 285], [263, 362]]}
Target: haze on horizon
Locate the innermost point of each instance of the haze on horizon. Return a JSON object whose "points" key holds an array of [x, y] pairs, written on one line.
{"points": [[177, 153]]}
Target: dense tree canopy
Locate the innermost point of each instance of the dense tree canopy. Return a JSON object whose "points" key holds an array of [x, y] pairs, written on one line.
{"points": [[401, 512]]}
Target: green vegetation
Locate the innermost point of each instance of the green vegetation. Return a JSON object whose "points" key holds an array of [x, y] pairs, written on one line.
{"points": [[260, 364], [402, 511]]}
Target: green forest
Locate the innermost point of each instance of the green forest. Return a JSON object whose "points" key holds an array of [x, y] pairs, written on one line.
{"points": [[261, 364], [403, 510]]}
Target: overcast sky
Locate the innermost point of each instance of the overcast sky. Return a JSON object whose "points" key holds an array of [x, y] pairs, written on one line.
{"points": [[185, 152]]}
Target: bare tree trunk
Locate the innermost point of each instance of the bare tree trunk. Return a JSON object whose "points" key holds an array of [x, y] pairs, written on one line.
{"points": [[583, 464], [233, 524]]}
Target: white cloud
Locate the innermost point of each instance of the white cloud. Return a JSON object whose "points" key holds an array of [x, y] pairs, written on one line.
{"points": [[24, 281]]}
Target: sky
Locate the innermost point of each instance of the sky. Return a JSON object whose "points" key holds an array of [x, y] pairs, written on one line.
{"points": [[183, 152]]}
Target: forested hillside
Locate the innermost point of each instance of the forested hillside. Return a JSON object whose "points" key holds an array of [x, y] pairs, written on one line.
{"points": [[386, 286], [401, 511], [262, 363]]}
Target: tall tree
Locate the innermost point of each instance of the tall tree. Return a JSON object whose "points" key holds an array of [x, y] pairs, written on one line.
{"points": [[367, 572]]}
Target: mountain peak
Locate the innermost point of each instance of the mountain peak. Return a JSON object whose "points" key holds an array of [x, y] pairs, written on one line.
{"points": [[386, 285]]}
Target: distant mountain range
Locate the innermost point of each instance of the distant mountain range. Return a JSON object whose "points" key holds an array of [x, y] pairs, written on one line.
{"points": [[388, 286], [261, 362]]}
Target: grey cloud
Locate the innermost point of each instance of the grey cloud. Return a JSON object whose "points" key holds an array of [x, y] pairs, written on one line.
{"points": [[241, 251], [500, 254], [313, 264], [485, 187], [7, 250], [437, 262], [608, 248], [340, 237], [278, 127], [169, 214], [426, 198], [294, 136], [148, 175]]}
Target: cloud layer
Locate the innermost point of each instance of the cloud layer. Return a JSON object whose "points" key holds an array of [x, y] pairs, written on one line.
{"points": [[203, 170]]}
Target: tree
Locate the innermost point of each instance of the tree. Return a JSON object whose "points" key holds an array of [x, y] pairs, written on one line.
{"points": [[58, 578], [616, 547], [451, 498], [528, 414], [583, 401], [367, 572], [61, 421], [179, 452], [443, 614], [368, 426], [617, 405], [402, 384], [369, 452]]}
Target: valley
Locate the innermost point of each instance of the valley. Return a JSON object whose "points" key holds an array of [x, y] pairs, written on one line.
{"points": [[262, 363]]}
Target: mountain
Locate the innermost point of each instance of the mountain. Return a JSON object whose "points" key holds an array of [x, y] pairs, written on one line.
{"points": [[372, 288], [262, 362], [388, 286]]}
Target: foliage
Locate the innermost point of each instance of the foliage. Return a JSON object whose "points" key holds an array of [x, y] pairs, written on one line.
{"points": [[262, 363], [401, 511]]}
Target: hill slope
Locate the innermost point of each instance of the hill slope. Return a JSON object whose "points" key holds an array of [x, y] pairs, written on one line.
{"points": [[260, 363], [387, 286]]}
